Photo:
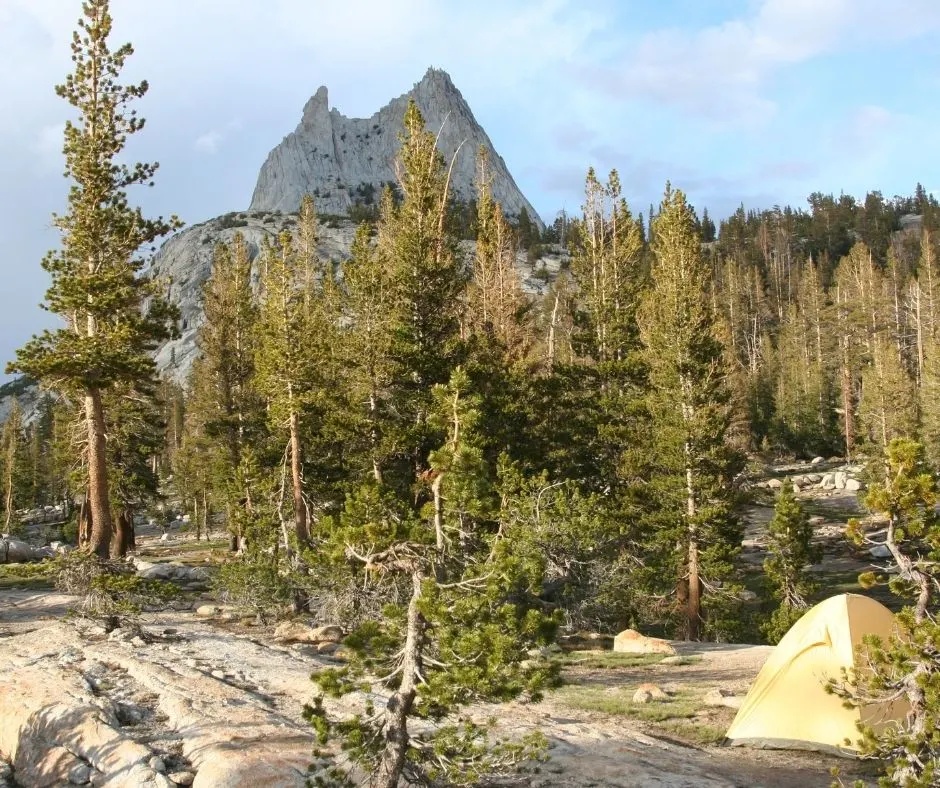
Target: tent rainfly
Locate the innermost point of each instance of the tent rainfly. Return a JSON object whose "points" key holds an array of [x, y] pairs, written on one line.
{"points": [[787, 707]]}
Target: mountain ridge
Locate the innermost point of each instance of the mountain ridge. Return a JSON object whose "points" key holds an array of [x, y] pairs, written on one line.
{"points": [[343, 161]]}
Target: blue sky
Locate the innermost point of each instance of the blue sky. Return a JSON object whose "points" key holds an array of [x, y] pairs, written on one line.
{"points": [[753, 101]]}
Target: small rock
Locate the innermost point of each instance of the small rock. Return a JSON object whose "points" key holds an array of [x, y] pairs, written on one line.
{"points": [[817, 520], [210, 611], [654, 692], [632, 642], [641, 696], [879, 551], [218, 674], [747, 596], [676, 660], [80, 774], [721, 697], [853, 485], [775, 484], [300, 632], [156, 763], [813, 478], [182, 778], [816, 461]]}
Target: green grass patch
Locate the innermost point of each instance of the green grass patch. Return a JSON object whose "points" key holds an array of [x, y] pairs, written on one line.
{"points": [[681, 705], [607, 659], [678, 715], [696, 731], [32, 577]]}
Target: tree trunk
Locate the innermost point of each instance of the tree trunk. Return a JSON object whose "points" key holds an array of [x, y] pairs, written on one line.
{"points": [[374, 437], [8, 498], [551, 331], [131, 533], [122, 536], [398, 709], [438, 512], [99, 505], [84, 523], [694, 596], [848, 406], [300, 508]]}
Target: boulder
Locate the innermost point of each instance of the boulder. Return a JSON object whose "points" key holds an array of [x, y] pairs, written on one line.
{"points": [[722, 697], [879, 551], [816, 461], [182, 778], [840, 479], [172, 573], [15, 551], [853, 485], [747, 596], [796, 489], [648, 692], [632, 642], [301, 632], [774, 484], [226, 612], [813, 478], [828, 481]]}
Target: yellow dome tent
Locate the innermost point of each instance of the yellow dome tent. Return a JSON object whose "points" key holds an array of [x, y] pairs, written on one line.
{"points": [[788, 706]]}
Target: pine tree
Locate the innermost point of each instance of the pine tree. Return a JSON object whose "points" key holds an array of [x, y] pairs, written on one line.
{"points": [[425, 519], [11, 446], [425, 285], [136, 431], [496, 302], [907, 666], [930, 401], [888, 404], [284, 372], [97, 286], [366, 343], [463, 634], [224, 411], [790, 550], [690, 402]]}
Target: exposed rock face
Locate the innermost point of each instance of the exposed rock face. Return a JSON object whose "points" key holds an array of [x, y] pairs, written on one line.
{"points": [[185, 262], [339, 159]]}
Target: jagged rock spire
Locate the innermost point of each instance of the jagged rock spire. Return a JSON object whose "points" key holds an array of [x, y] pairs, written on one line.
{"points": [[342, 160]]}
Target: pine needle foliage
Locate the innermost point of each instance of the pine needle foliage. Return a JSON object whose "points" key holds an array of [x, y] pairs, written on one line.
{"points": [[114, 316]]}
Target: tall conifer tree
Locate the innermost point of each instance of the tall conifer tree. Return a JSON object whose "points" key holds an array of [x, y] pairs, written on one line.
{"points": [[97, 284], [690, 402]]}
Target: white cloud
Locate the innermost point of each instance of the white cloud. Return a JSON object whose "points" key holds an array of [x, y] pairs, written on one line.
{"points": [[209, 142], [721, 71]]}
